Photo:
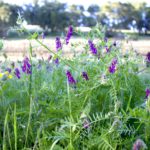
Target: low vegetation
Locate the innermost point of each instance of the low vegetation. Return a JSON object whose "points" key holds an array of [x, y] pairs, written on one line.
{"points": [[99, 99]]}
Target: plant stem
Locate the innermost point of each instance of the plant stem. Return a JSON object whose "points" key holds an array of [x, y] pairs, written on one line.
{"points": [[70, 111], [15, 127], [4, 130], [29, 120], [30, 93]]}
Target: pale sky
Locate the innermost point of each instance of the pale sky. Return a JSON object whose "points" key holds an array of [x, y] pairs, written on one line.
{"points": [[85, 3]]}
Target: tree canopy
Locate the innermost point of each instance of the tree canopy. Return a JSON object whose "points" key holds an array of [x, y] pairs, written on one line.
{"points": [[55, 16]]}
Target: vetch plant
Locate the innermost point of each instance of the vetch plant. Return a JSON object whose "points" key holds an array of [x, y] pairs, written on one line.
{"points": [[92, 47], [148, 57], [147, 93], [58, 44], [17, 73], [69, 34], [112, 67], [85, 75], [70, 78], [26, 68], [42, 110], [139, 145]]}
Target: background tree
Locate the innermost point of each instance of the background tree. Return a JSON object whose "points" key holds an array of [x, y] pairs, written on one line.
{"points": [[51, 15], [147, 18], [55, 16], [93, 9], [92, 19], [76, 14], [8, 16], [120, 15], [4, 18], [141, 17]]}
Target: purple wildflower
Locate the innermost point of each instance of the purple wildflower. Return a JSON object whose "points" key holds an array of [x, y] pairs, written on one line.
{"points": [[147, 93], [56, 61], [85, 76], [26, 66], [17, 73], [8, 69], [86, 123], [139, 144], [92, 47], [105, 39], [69, 34], [58, 44], [71, 80], [43, 35], [114, 62], [112, 67], [107, 50], [148, 57]]}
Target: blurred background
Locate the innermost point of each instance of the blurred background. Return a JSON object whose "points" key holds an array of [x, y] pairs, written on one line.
{"points": [[124, 19]]}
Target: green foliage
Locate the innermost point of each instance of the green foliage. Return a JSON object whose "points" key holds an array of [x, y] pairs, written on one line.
{"points": [[43, 110], [1, 45]]}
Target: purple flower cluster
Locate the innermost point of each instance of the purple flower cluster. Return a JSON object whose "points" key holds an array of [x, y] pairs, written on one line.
{"points": [[71, 80], [147, 93], [26, 66], [8, 69], [86, 124], [56, 61], [105, 39], [112, 67], [17, 73], [69, 34], [43, 35], [85, 76], [148, 57], [139, 144], [58, 44], [92, 47], [107, 49]]}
